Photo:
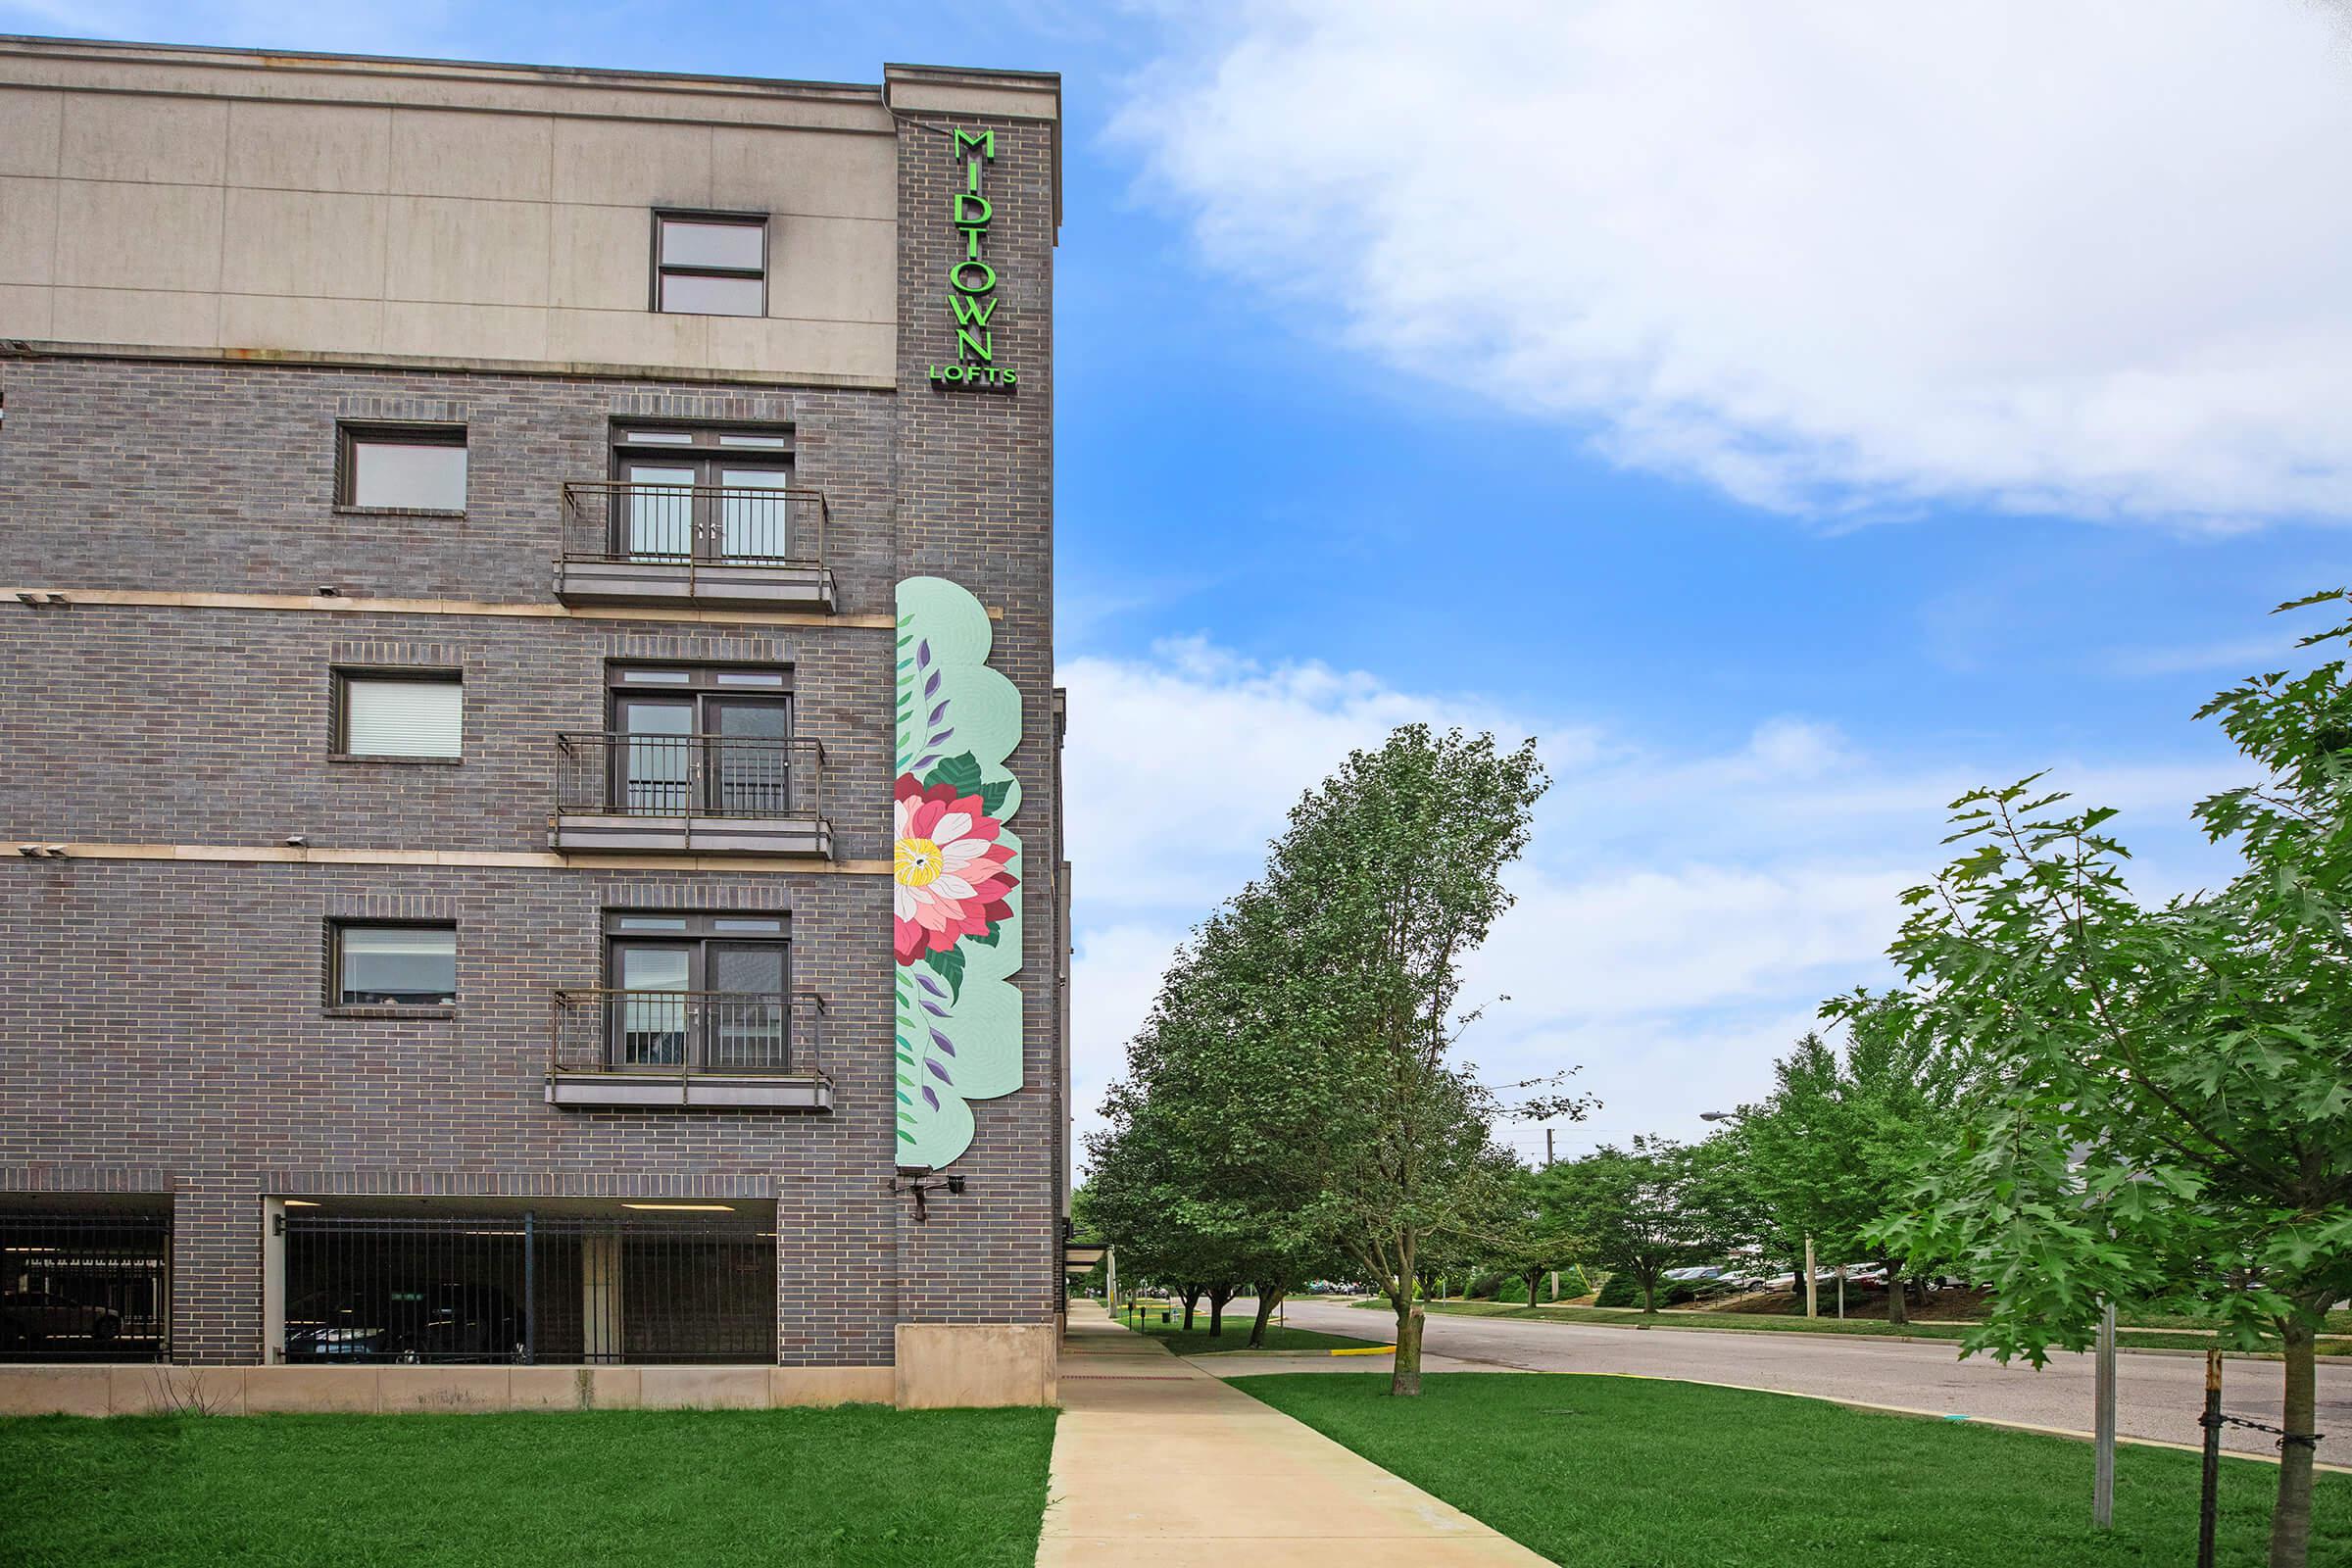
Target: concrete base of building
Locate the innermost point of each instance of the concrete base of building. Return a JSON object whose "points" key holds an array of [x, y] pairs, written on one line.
{"points": [[943, 1365], [940, 1366], [256, 1389]]}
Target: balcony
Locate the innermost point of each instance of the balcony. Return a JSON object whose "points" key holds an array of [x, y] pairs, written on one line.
{"points": [[689, 1050], [691, 795], [676, 545]]}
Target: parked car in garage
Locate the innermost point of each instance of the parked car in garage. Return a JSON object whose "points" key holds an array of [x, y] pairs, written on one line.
{"points": [[444, 1322], [38, 1318]]}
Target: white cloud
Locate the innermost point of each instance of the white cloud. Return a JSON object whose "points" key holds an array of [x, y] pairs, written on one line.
{"points": [[2069, 255], [1679, 917]]}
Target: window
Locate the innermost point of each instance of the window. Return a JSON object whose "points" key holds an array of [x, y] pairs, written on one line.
{"points": [[418, 714], [393, 965], [704, 493], [710, 264], [404, 468], [698, 990], [702, 741]]}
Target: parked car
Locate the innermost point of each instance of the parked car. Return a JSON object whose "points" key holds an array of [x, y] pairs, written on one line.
{"points": [[1715, 1279], [445, 1322], [38, 1318]]}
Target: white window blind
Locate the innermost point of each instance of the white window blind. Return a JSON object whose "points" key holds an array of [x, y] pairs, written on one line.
{"points": [[386, 716], [425, 476]]}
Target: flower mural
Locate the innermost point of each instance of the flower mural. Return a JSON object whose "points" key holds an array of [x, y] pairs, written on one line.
{"points": [[956, 897], [950, 865]]}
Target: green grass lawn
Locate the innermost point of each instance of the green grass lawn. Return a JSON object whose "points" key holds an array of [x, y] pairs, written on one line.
{"points": [[860, 1485], [1600, 1472], [1765, 1322], [1236, 1335]]}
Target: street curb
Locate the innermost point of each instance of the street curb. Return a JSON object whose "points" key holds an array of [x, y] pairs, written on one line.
{"points": [[1946, 1415], [1818, 1336]]}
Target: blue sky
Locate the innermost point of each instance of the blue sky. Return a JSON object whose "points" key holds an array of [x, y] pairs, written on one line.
{"points": [[1791, 426]]}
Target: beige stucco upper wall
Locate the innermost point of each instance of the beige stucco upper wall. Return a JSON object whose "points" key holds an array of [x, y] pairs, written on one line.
{"points": [[219, 201]]}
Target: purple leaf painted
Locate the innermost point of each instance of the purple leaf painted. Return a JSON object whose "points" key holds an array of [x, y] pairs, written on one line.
{"points": [[936, 712], [922, 654], [935, 1009], [930, 1096], [943, 1042], [929, 984], [937, 1071], [924, 761], [931, 686]]}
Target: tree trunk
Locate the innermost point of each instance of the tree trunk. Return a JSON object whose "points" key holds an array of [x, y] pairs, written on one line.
{"points": [[1269, 1296], [1405, 1380], [1192, 1297], [1649, 1293], [1218, 1295], [1897, 1308], [2291, 1516], [1535, 1277]]}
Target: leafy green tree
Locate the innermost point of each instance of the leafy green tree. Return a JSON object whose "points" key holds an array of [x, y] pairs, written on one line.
{"points": [[1389, 878], [2174, 1121], [1846, 1136], [1529, 1235], [1198, 1166], [1292, 1101], [1640, 1211]]}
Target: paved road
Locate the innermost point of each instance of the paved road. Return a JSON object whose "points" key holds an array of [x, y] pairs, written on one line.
{"points": [[2156, 1396]]}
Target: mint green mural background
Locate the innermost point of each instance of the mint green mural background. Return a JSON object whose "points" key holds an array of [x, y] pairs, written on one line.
{"points": [[959, 1016]]}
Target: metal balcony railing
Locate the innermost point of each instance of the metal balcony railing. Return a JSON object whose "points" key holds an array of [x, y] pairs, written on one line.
{"points": [[693, 524], [673, 1032], [690, 775]]}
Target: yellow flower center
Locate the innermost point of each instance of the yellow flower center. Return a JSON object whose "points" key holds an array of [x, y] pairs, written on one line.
{"points": [[917, 862]]}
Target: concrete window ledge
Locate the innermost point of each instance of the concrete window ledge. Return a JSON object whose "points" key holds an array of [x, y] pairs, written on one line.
{"points": [[809, 837], [711, 1091]]}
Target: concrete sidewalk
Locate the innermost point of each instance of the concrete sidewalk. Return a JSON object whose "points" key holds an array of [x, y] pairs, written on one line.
{"points": [[1158, 1464]]}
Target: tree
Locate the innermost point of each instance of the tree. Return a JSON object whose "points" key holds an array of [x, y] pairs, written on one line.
{"points": [[1529, 1235], [1197, 1173], [1846, 1135], [1389, 878], [2174, 1118], [1638, 1209], [1292, 1098]]}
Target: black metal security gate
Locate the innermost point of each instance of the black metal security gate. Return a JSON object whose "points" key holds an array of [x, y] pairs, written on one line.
{"points": [[527, 1288], [85, 1286]]}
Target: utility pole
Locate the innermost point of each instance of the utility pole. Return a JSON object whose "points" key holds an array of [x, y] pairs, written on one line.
{"points": [[1812, 1286], [1547, 1148], [2102, 1486]]}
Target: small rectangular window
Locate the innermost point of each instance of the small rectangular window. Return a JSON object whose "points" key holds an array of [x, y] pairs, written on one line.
{"points": [[394, 965], [404, 468], [710, 264], [387, 713]]}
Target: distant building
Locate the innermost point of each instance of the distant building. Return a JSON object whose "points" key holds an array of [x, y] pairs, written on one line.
{"points": [[531, 768]]}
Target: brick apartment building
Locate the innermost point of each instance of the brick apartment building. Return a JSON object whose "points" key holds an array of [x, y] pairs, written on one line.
{"points": [[530, 775]]}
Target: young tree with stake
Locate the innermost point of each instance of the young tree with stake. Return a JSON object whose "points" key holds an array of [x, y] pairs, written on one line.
{"points": [[2174, 1121]]}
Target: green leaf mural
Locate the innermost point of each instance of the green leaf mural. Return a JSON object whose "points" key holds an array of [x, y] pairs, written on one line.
{"points": [[957, 872]]}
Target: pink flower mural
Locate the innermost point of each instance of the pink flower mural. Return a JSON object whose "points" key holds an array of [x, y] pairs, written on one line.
{"points": [[949, 868]]}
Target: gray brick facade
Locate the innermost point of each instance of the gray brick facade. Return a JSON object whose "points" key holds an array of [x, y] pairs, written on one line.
{"points": [[166, 1025]]}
